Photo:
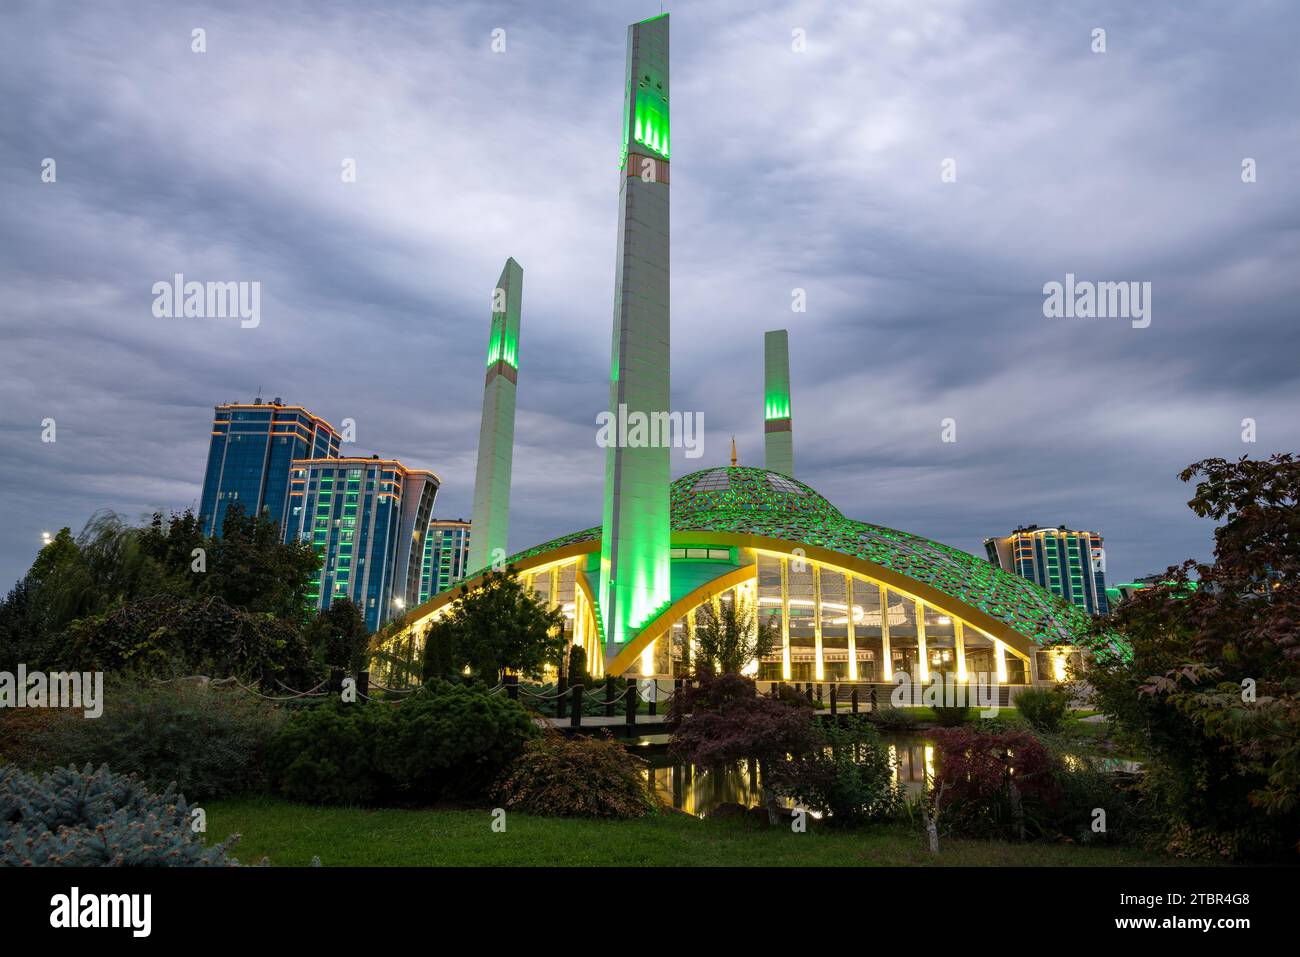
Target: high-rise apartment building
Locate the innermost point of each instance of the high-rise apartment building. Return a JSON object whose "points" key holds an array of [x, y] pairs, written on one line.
{"points": [[250, 455], [446, 556], [367, 518], [1068, 563]]}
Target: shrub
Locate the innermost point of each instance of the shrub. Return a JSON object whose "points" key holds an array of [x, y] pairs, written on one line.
{"points": [[893, 719], [952, 716], [444, 741], [71, 818], [851, 778], [452, 741], [1085, 786], [326, 754], [170, 636], [723, 719], [211, 742], [992, 784], [1044, 708], [576, 777]]}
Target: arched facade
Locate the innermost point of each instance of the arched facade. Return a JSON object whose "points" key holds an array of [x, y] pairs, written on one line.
{"points": [[852, 601]]}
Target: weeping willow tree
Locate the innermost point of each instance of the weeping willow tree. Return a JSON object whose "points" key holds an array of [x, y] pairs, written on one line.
{"points": [[731, 634]]}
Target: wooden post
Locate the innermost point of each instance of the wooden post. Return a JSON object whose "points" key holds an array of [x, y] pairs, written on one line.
{"points": [[654, 696], [873, 697], [561, 701], [809, 692], [629, 702], [609, 696], [576, 720], [512, 687], [834, 695], [853, 699]]}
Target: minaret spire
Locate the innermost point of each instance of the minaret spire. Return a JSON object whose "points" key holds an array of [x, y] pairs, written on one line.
{"points": [[490, 522], [778, 435], [635, 540]]}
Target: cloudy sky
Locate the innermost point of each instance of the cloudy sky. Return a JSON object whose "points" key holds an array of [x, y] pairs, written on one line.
{"points": [[817, 169]]}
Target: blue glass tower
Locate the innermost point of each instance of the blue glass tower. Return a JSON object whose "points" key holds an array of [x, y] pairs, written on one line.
{"points": [[250, 455]]}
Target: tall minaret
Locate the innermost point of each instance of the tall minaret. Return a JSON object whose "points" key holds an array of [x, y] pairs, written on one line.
{"points": [[496, 434], [778, 439], [634, 548]]}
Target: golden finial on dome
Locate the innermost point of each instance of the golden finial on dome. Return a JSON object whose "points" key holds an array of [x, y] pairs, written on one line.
{"points": [[733, 451]]}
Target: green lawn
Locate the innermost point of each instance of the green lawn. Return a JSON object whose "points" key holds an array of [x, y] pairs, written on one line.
{"points": [[291, 834]]}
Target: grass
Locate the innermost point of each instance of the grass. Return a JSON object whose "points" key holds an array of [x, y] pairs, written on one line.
{"points": [[292, 834]]}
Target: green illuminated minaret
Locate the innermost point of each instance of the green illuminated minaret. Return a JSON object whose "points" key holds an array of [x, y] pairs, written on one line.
{"points": [[778, 437], [634, 550], [496, 435]]}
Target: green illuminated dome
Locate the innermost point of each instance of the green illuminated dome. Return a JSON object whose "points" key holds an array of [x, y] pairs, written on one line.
{"points": [[749, 501], [712, 494]]}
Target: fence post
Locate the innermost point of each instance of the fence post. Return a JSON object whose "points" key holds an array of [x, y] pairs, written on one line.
{"points": [[609, 696], [512, 687], [834, 695], [576, 720], [853, 699], [363, 685], [873, 697], [654, 696], [336, 681], [561, 702], [809, 692], [629, 701]]}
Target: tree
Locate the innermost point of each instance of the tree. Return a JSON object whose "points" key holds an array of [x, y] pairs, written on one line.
{"points": [[251, 567], [1209, 692], [723, 719], [731, 634], [496, 626], [338, 637]]}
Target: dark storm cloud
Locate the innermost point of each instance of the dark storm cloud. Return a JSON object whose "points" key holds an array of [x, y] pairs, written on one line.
{"points": [[815, 170]]}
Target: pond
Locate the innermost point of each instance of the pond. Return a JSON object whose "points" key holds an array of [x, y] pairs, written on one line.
{"points": [[700, 791]]}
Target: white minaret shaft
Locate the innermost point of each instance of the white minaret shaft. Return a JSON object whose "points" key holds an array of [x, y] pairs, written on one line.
{"points": [[490, 524], [636, 535]]}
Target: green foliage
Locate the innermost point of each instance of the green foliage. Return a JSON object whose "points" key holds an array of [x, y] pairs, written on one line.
{"points": [[893, 719], [444, 741], [1209, 693], [576, 777], [172, 636], [71, 818], [338, 637], [496, 626], [1046, 709], [850, 777], [451, 741], [325, 754], [578, 667], [730, 634], [953, 716], [210, 742], [251, 567], [114, 583]]}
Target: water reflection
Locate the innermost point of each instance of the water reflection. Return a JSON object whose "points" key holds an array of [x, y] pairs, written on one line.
{"points": [[700, 791]]}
